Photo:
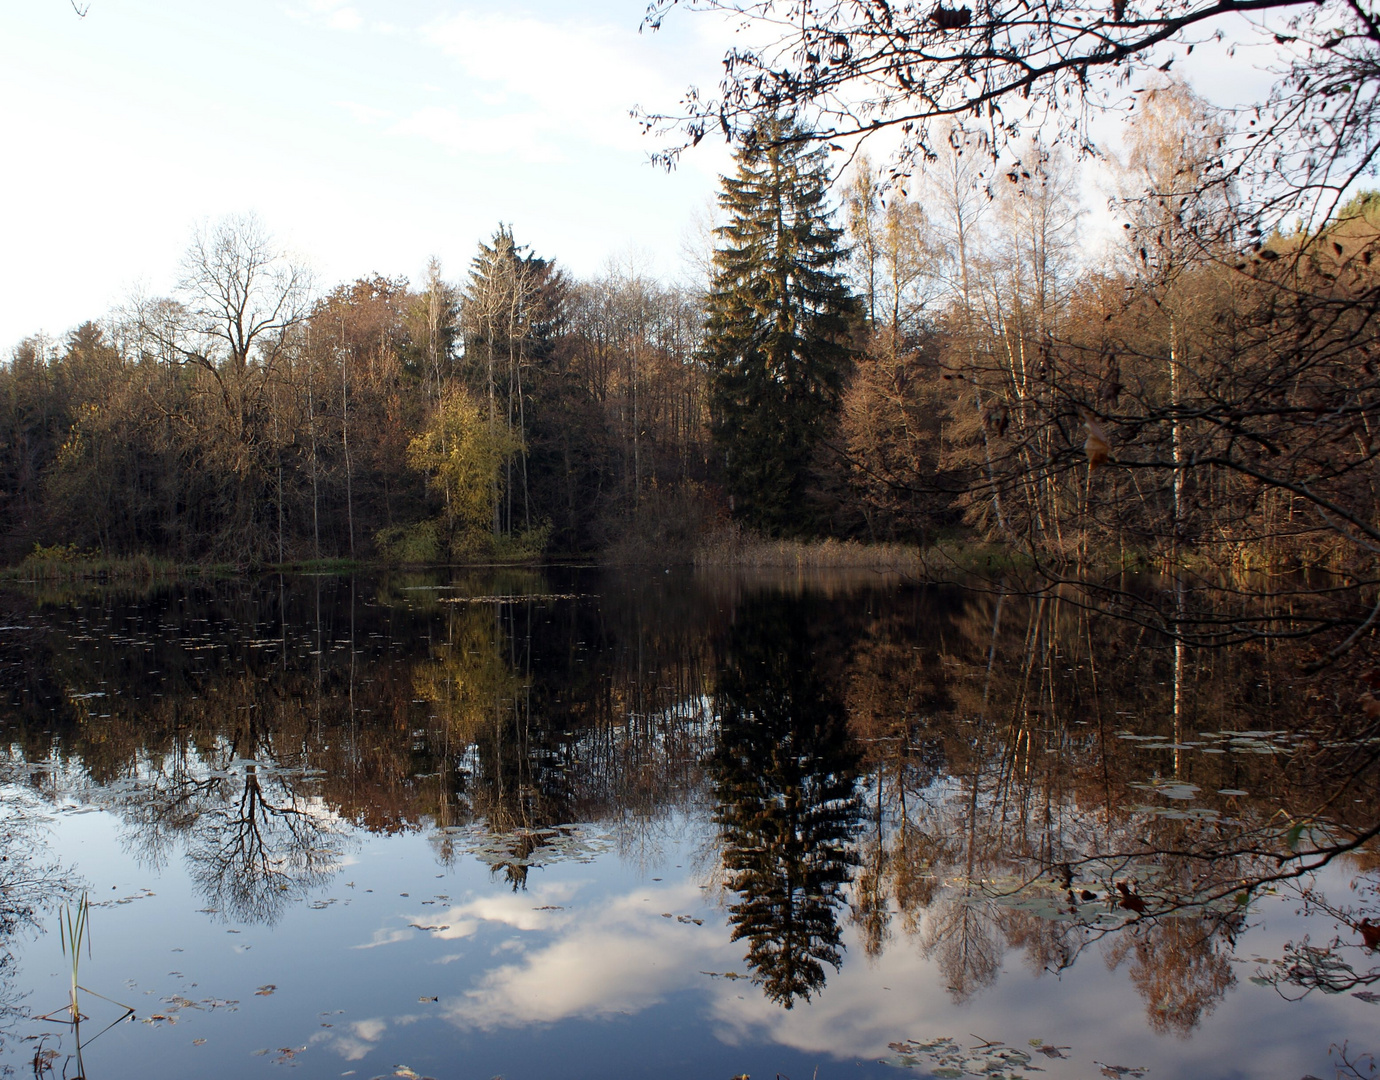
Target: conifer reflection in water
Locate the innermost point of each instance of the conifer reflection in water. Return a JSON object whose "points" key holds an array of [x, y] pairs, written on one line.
{"points": [[784, 773]]}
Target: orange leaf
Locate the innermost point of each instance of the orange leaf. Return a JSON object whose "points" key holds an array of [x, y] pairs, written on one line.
{"points": [[1098, 446]]}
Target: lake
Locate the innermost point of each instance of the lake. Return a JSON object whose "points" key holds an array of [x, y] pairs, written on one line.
{"points": [[585, 823]]}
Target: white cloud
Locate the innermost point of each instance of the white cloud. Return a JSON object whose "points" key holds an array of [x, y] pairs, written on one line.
{"points": [[581, 79], [336, 14], [526, 136], [365, 114], [345, 19]]}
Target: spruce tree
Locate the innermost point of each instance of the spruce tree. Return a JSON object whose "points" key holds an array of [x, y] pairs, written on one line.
{"points": [[777, 327]]}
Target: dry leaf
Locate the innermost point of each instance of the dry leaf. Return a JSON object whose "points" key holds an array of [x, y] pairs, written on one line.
{"points": [[1129, 900], [1098, 447]]}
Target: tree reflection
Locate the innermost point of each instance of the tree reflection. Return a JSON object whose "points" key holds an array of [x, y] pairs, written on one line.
{"points": [[1180, 966], [262, 850], [31, 882], [784, 774], [974, 774], [507, 781], [256, 832]]}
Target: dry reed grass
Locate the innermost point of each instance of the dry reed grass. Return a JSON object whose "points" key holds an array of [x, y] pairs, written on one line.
{"points": [[735, 548]]}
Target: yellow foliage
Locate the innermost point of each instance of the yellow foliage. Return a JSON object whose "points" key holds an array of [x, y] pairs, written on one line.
{"points": [[463, 458]]}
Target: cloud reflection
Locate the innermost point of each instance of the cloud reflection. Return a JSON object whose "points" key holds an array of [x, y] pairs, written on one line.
{"points": [[621, 956]]}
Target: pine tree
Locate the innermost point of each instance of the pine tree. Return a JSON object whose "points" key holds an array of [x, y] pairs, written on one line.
{"points": [[777, 327]]}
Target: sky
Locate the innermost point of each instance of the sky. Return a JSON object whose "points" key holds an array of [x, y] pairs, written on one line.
{"points": [[366, 135]]}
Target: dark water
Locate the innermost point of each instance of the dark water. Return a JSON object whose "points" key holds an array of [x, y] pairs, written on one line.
{"points": [[585, 824]]}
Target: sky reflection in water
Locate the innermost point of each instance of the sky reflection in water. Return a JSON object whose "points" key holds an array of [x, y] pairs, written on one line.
{"points": [[584, 824]]}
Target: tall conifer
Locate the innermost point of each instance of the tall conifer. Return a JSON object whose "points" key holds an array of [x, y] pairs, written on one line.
{"points": [[778, 318]]}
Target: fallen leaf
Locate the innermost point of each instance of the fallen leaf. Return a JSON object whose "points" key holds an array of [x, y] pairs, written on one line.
{"points": [[265, 991]]}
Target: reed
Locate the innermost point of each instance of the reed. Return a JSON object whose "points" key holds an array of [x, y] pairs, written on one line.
{"points": [[74, 929], [732, 547]]}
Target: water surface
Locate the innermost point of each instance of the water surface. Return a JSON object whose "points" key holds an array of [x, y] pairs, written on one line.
{"points": [[580, 823]]}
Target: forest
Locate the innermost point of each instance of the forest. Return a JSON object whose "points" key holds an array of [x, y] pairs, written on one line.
{"points": [[860, 358]]}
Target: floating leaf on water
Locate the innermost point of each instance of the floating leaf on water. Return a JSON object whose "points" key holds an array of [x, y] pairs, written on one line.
{"points": [[1170, 789], [1180, 813], [266, 990], [943, 1057]]}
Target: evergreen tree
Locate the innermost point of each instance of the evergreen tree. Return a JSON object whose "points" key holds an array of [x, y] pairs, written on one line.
{"points": [[506, 317], [777, 327]]}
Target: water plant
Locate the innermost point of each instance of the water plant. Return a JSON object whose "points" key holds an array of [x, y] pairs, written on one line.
{"points": [[73, 928]]}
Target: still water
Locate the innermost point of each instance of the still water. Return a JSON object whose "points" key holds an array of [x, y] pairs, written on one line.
{"points": [[589, 824]]}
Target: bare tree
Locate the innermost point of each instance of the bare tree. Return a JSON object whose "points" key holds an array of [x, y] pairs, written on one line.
{"points": [[847, 69], [239, 296]]}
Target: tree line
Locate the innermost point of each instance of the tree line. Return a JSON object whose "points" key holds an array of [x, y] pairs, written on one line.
{"points": [[245, 420], [862, 361]]}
